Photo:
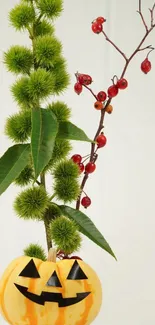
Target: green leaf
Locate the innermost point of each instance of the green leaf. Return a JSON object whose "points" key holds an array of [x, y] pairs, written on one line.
{"points": [[69, 131], [12, 163], [44, 131], [87, 227]]}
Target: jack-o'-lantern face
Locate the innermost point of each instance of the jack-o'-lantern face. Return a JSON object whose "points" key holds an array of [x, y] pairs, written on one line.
{"points": [[30, 271], [33, 292]]}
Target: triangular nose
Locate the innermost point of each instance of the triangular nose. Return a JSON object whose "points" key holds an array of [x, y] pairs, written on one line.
{"points": [[54, 281]]}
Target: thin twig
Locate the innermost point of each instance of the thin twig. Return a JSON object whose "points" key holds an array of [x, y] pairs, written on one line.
{"points": [[141, 15], [143, 20], [152, 15], [146, 48], [91, 91], [114, 45], [150, 51]]}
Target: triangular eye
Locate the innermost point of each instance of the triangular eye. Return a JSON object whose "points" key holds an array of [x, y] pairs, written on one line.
{"points": [[76, 273], [54, 281], [30, 271]]}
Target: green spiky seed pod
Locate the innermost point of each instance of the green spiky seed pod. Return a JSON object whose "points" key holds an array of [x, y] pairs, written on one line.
{"points": [[52, 212], [32, 203], [61, 149], [18, 59], [50, 8], [65, 235], [59, 64], [18, 126], [43, 28], [61, 111], [21, 16], [20, 92], [67, 190], [40, 85], [66, 169], [62, 78], [35, 250], [25, 177], [47, 48], [62, 81]]}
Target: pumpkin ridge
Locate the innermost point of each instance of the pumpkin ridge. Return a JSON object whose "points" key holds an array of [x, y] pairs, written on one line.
{"points": [[30, 308], [61, 314], [3, 292], [88, 304]]}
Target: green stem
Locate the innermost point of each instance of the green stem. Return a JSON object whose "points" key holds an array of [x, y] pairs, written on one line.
{"points": [[36, 104], [52, 197], [48, 235], [46, 220]]}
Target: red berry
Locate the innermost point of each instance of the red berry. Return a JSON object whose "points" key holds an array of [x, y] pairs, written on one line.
{"points": [[75, 258], [81, 166], [101, 140], [101, 96], [88, 80], [112, 91], [122, 83], [81, 79], [78, 88], [98, 105], [146, 66], [84, 79], [101, 20], [97, 27], [109, 109], [76, 158], [90, 167], [86, 202]]}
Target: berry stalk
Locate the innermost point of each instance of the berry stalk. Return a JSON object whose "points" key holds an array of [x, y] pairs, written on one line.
{"points": [[121, 84]]}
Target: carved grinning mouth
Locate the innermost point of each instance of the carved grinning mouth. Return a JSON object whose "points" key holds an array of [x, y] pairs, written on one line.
{"points": [[51, 297]]}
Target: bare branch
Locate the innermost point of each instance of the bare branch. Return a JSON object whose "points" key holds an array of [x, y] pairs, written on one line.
{"points": [[128, 60], [114, 45], [146, 48], [140, 5], [152, 15], [91, 91], [141, 15], [143, 20]]}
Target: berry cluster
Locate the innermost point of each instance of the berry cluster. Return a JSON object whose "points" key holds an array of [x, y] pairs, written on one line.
{"points": [[82, 80], [90, 167], [97, 25], [86, 80]]}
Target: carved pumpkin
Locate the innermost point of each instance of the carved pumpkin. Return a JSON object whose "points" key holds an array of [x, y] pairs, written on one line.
{"points": [[33, 292]]}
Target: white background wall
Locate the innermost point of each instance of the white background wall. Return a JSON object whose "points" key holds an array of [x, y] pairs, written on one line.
{"points": [[122, 189]]}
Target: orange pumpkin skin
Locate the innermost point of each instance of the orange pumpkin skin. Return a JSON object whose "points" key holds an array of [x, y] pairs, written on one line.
{"points": [[19, 310]]}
